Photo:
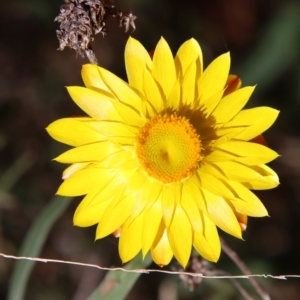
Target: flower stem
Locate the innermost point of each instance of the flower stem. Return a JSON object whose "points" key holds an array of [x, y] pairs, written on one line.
{"points": [[242, 266], [91, 56]]}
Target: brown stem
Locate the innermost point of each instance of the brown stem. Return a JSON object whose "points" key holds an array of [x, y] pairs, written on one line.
{"points": [[242, 291], [242, 266], [91, 56], [238, 286]]}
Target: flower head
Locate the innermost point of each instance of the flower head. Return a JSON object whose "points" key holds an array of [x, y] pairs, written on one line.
{"points": [[168, 157]]}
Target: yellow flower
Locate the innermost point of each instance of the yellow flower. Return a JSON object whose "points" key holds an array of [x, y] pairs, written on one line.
{"points": [[167, 157]]}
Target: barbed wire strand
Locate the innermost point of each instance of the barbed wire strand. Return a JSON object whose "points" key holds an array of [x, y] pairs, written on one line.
{"points": [[147, 271]]}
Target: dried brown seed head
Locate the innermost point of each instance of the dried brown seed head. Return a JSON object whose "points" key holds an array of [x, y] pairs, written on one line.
{"points": [[81, 20]]}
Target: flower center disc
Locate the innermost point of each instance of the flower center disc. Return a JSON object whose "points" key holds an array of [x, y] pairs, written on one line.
{"points": [[168, 148]]}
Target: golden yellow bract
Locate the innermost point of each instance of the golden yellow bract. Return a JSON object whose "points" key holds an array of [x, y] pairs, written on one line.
{"points": [[166, 157]]}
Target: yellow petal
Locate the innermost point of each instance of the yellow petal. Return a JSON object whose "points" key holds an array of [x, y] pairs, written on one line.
{"points": [[222, 214], [254, 153], [163, 68], [174, 98], [214, 77], [254, 120], [95, 104], [231, 104], [91, 77], [147, 194], [261, 124], [152, 92], [129, 115], [207, 242], [211, 169], [269, 179], [117, 212], [136, 181], [180, 236], [188, 85], [188, 52], [214, 185], [232, 170], [237, 172], [219, 155], [118, 160], [85, 181], [152, 220], [153, 192], [119, 179], [226, 134], [93, 179], [191, 209], [121, 140], [148, 109], [69, 171], [161, 250], [72, 132], [130, 242], [137, 59], [90, 210], [121, 89], [210, 104], [251, 116], [268, 183], [253, 159], [169, 197], [248, 204], [105, 154], [88, 153], [250, 161], [130, 165], [112, 129], [194, 191]]}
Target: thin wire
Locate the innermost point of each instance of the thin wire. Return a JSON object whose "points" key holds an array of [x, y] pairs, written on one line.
{"points": [[147, 271]]}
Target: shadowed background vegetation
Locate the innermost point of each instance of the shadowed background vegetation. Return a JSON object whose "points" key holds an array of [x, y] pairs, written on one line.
{"points": [[263, 38]]}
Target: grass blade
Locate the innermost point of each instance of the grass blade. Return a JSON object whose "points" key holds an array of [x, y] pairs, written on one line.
{"points": [[117, 284], [32, 245]]}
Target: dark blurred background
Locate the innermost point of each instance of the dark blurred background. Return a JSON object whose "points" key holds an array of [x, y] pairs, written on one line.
{"points": [[264, 40]]}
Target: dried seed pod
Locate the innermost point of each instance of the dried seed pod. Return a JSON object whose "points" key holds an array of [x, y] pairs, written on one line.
{"points": [[81, 20], [195, 265]]}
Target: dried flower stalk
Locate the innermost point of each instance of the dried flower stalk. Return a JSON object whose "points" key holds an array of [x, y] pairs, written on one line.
{"points": [[81, 20]]}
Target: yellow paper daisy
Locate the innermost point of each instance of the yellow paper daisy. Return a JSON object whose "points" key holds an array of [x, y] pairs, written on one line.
{"points": [[167, 157]]}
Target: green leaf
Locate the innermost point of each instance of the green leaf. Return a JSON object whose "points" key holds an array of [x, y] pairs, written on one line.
{"points": [[117, 284], [15, 171], [32, 245]]}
